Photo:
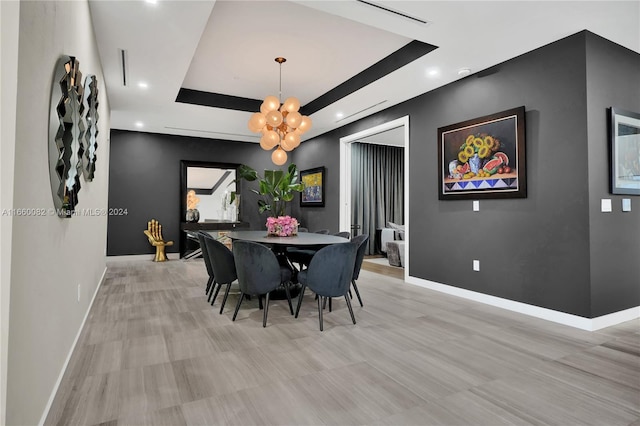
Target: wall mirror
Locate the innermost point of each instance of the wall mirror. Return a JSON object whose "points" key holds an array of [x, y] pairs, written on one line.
{"points": [[66, 132], [90, 139], [207, 187]]}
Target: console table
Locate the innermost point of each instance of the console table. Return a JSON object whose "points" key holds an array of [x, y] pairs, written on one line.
{"points": [[189, 244]]}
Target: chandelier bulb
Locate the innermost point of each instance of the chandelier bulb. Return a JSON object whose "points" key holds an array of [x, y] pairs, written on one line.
{"points": [[279, 157]]}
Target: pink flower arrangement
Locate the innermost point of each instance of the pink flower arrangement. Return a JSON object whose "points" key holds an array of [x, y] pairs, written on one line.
{"points": [[282, 226]]}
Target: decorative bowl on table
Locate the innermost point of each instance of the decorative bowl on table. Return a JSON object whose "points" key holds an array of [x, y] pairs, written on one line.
{"points": [[282, 226]]}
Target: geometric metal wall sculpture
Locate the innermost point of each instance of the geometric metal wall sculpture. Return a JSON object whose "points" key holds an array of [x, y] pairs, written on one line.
{"points": [[90, 140], [66, 135]]}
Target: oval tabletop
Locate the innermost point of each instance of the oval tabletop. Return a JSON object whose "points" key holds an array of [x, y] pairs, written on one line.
{"points": [[302, 239]]}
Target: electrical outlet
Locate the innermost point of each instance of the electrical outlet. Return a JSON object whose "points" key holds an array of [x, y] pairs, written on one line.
{"points": [[78, 293], [476, 265]]}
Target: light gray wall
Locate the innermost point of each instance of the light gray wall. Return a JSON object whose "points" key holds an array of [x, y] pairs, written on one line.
{"points": [[50, 256], [9, 24]]}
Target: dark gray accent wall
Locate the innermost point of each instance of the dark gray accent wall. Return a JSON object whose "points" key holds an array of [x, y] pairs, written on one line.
{"points": [[539, 250], [553, 249], [144, 178], [613, 80]]}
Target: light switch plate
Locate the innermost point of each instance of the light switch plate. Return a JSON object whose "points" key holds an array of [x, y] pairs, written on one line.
{"points": [[605, 205], [476, 206], [476, 265], [626, 204]]}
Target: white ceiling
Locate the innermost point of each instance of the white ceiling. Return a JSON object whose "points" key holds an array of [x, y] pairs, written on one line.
{"points": [[229, 47], [393, 136]]}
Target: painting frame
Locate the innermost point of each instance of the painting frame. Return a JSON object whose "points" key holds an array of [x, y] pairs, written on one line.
{"points": [[483, 158], [313, 180], [624, 151]]}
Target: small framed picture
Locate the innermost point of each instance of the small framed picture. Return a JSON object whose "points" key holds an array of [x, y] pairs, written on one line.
{"points": [[313, 193], [624, 151]]}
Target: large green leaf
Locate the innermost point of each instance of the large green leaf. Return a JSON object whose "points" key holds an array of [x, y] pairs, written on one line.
{"points": [[246, 173], [264, 187], [288, 196], [273, 178]]}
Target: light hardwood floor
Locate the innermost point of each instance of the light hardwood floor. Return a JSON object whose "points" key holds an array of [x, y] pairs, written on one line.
{"points": [[381, 268], [153, 352]]}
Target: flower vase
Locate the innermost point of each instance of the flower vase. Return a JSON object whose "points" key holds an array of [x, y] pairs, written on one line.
{"points": [[475, 163], [193, 215], [236, 202], [282, 226]]}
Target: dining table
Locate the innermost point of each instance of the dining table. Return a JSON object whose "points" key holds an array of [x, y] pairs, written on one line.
{"points": [[279, 246], [302, 239]]}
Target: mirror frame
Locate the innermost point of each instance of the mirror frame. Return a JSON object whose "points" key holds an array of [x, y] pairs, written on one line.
{"points": [[184, 164]]}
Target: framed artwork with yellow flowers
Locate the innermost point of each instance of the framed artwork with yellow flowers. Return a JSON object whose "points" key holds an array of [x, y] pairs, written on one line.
{"points": [[313, 193], [483, 157]]}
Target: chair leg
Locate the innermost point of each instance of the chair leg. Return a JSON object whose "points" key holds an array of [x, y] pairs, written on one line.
{"points": [[330, 299], [286, 290], [224, 300], [266, 310], [215, 293], [350, 295], [238, 306], [260, 302], [353, 318], [355, 287], [300, 300], [208, 289], [320, 311]]}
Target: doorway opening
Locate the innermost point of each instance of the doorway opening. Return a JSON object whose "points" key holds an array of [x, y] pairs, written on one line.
{"points": [[345, 176]]}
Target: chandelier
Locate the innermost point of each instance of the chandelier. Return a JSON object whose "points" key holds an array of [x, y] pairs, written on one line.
{"points": [[281, 125]]}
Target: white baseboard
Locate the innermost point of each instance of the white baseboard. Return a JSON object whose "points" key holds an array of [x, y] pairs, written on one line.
{"points": [[73, 347], [589, 324], [131, 257], [615, 318]]}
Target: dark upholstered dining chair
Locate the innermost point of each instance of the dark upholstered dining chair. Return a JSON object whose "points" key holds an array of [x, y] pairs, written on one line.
{"points": [[224, 268], [207, 261], [361, 242], [259, 273], [329, 275], [302, 256], [343, 234]]}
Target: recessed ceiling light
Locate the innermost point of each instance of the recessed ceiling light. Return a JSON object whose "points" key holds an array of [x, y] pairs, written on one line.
{"points": [[339, 115], [151, 1], [464, 71], [139, 124], [143, 85], [433, 72]]}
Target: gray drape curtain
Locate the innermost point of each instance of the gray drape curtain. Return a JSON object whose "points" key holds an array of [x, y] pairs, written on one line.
{"points": [[377, 187]]}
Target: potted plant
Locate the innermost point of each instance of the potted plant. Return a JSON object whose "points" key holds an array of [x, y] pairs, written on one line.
{"points": [[276, 188]]}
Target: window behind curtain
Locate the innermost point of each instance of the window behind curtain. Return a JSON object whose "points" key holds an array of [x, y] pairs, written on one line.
{"points": [[377, 187]]}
